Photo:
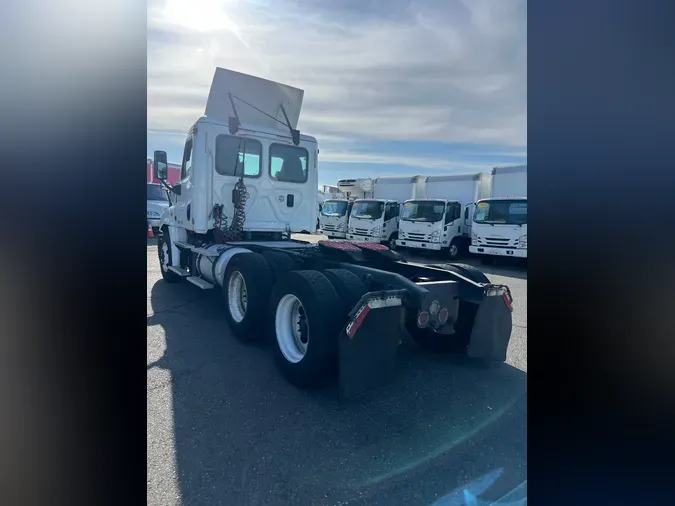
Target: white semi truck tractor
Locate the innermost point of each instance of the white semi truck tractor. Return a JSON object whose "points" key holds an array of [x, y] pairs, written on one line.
{"points": [[334, 308], [499, 227]]}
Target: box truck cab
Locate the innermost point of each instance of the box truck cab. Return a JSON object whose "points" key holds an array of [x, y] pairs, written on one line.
{"points": [[442, 220], [500, 222], [334, 218], [374, 220], [158, 202]]}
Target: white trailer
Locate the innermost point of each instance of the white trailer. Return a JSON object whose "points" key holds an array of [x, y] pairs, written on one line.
{"points": [[500, 222], [442, 220]]}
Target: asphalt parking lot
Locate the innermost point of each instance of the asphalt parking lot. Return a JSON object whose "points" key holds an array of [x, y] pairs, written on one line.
{"points": [[225, 429]]}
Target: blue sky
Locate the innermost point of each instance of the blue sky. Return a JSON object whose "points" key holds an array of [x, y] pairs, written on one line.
{"points": [[391, 86]]}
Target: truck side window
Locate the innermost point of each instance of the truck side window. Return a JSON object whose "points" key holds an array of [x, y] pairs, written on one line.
{"points": [[387, 212], [466, 213], [457, 211], [186, 166], [288, 163], [232, 152]]}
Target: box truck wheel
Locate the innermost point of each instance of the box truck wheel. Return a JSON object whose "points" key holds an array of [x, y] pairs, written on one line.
{"points": [[165, 259], [391, 243], [455, 251], [306, 327], [246, 287]]}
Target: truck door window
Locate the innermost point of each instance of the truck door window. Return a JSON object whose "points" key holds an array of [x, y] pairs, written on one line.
{"points": [[186, 166], [234, 152], [387, 212], [457, 210], [466, 213], [288, 163]]}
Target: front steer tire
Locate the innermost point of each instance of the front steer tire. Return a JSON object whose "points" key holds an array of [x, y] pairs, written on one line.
{"points": [[165, 257], [319, 300], [258, 280]]}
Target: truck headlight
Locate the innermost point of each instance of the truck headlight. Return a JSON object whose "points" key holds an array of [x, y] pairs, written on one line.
{"points": [[435, 236], [153, 214], [522, 241], [375, 232], [474, 239]]}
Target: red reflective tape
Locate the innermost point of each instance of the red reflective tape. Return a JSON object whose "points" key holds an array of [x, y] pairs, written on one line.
{"points": [[358, 320], [507, 301]]}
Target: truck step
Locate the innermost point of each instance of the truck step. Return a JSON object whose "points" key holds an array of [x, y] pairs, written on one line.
{"points": [[181, 272], [204, 285], [183, 245], [206, 252]]}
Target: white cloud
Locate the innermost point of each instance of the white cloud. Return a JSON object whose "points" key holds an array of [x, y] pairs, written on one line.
{"points": [[449, 71]]}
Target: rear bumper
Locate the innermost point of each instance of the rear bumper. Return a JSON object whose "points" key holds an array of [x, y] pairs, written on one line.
{"points": [[331, 234], [502, 252], [405, 243], [362, 238]]}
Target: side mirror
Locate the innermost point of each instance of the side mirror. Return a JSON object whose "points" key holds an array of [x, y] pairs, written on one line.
{"points": [[161, 165]]}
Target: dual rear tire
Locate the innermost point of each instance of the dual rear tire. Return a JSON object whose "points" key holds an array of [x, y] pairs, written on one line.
{"points": [[303, 311]]}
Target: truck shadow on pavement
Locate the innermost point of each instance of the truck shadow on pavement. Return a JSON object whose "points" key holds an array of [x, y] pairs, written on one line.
{"points": [[240, 434]]}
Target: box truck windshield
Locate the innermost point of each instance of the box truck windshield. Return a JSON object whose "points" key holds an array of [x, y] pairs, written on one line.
{"points": [[501, 212], [334, 208], [367, 210], [425, 210]]}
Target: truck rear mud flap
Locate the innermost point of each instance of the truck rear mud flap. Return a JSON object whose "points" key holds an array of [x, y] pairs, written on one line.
{"points": [[368, 343], [492, 325]]}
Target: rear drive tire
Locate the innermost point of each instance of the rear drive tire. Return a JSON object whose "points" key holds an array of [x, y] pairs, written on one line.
{"points": [[165, 257], [246, 285], [279, 263], [348, 287], [391, 243], [468, 271], [306, 327]]}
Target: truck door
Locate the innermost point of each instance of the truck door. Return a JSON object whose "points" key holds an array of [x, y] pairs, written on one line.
{"points": [[183, 201], [390, 225], [468, 218], [453, 225]]}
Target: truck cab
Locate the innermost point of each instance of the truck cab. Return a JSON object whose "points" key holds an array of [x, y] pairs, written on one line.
{"points": [[500, 227], [432, 224], [374, 220], [334, 218]]}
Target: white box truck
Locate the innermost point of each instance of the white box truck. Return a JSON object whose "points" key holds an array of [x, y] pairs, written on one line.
{"points": [[334, 217], [442, 220], [500, 222], [376, 219]]}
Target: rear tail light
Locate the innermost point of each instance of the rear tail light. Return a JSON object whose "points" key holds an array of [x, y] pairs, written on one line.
{"points": [[443, 316], [422, 319]]}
